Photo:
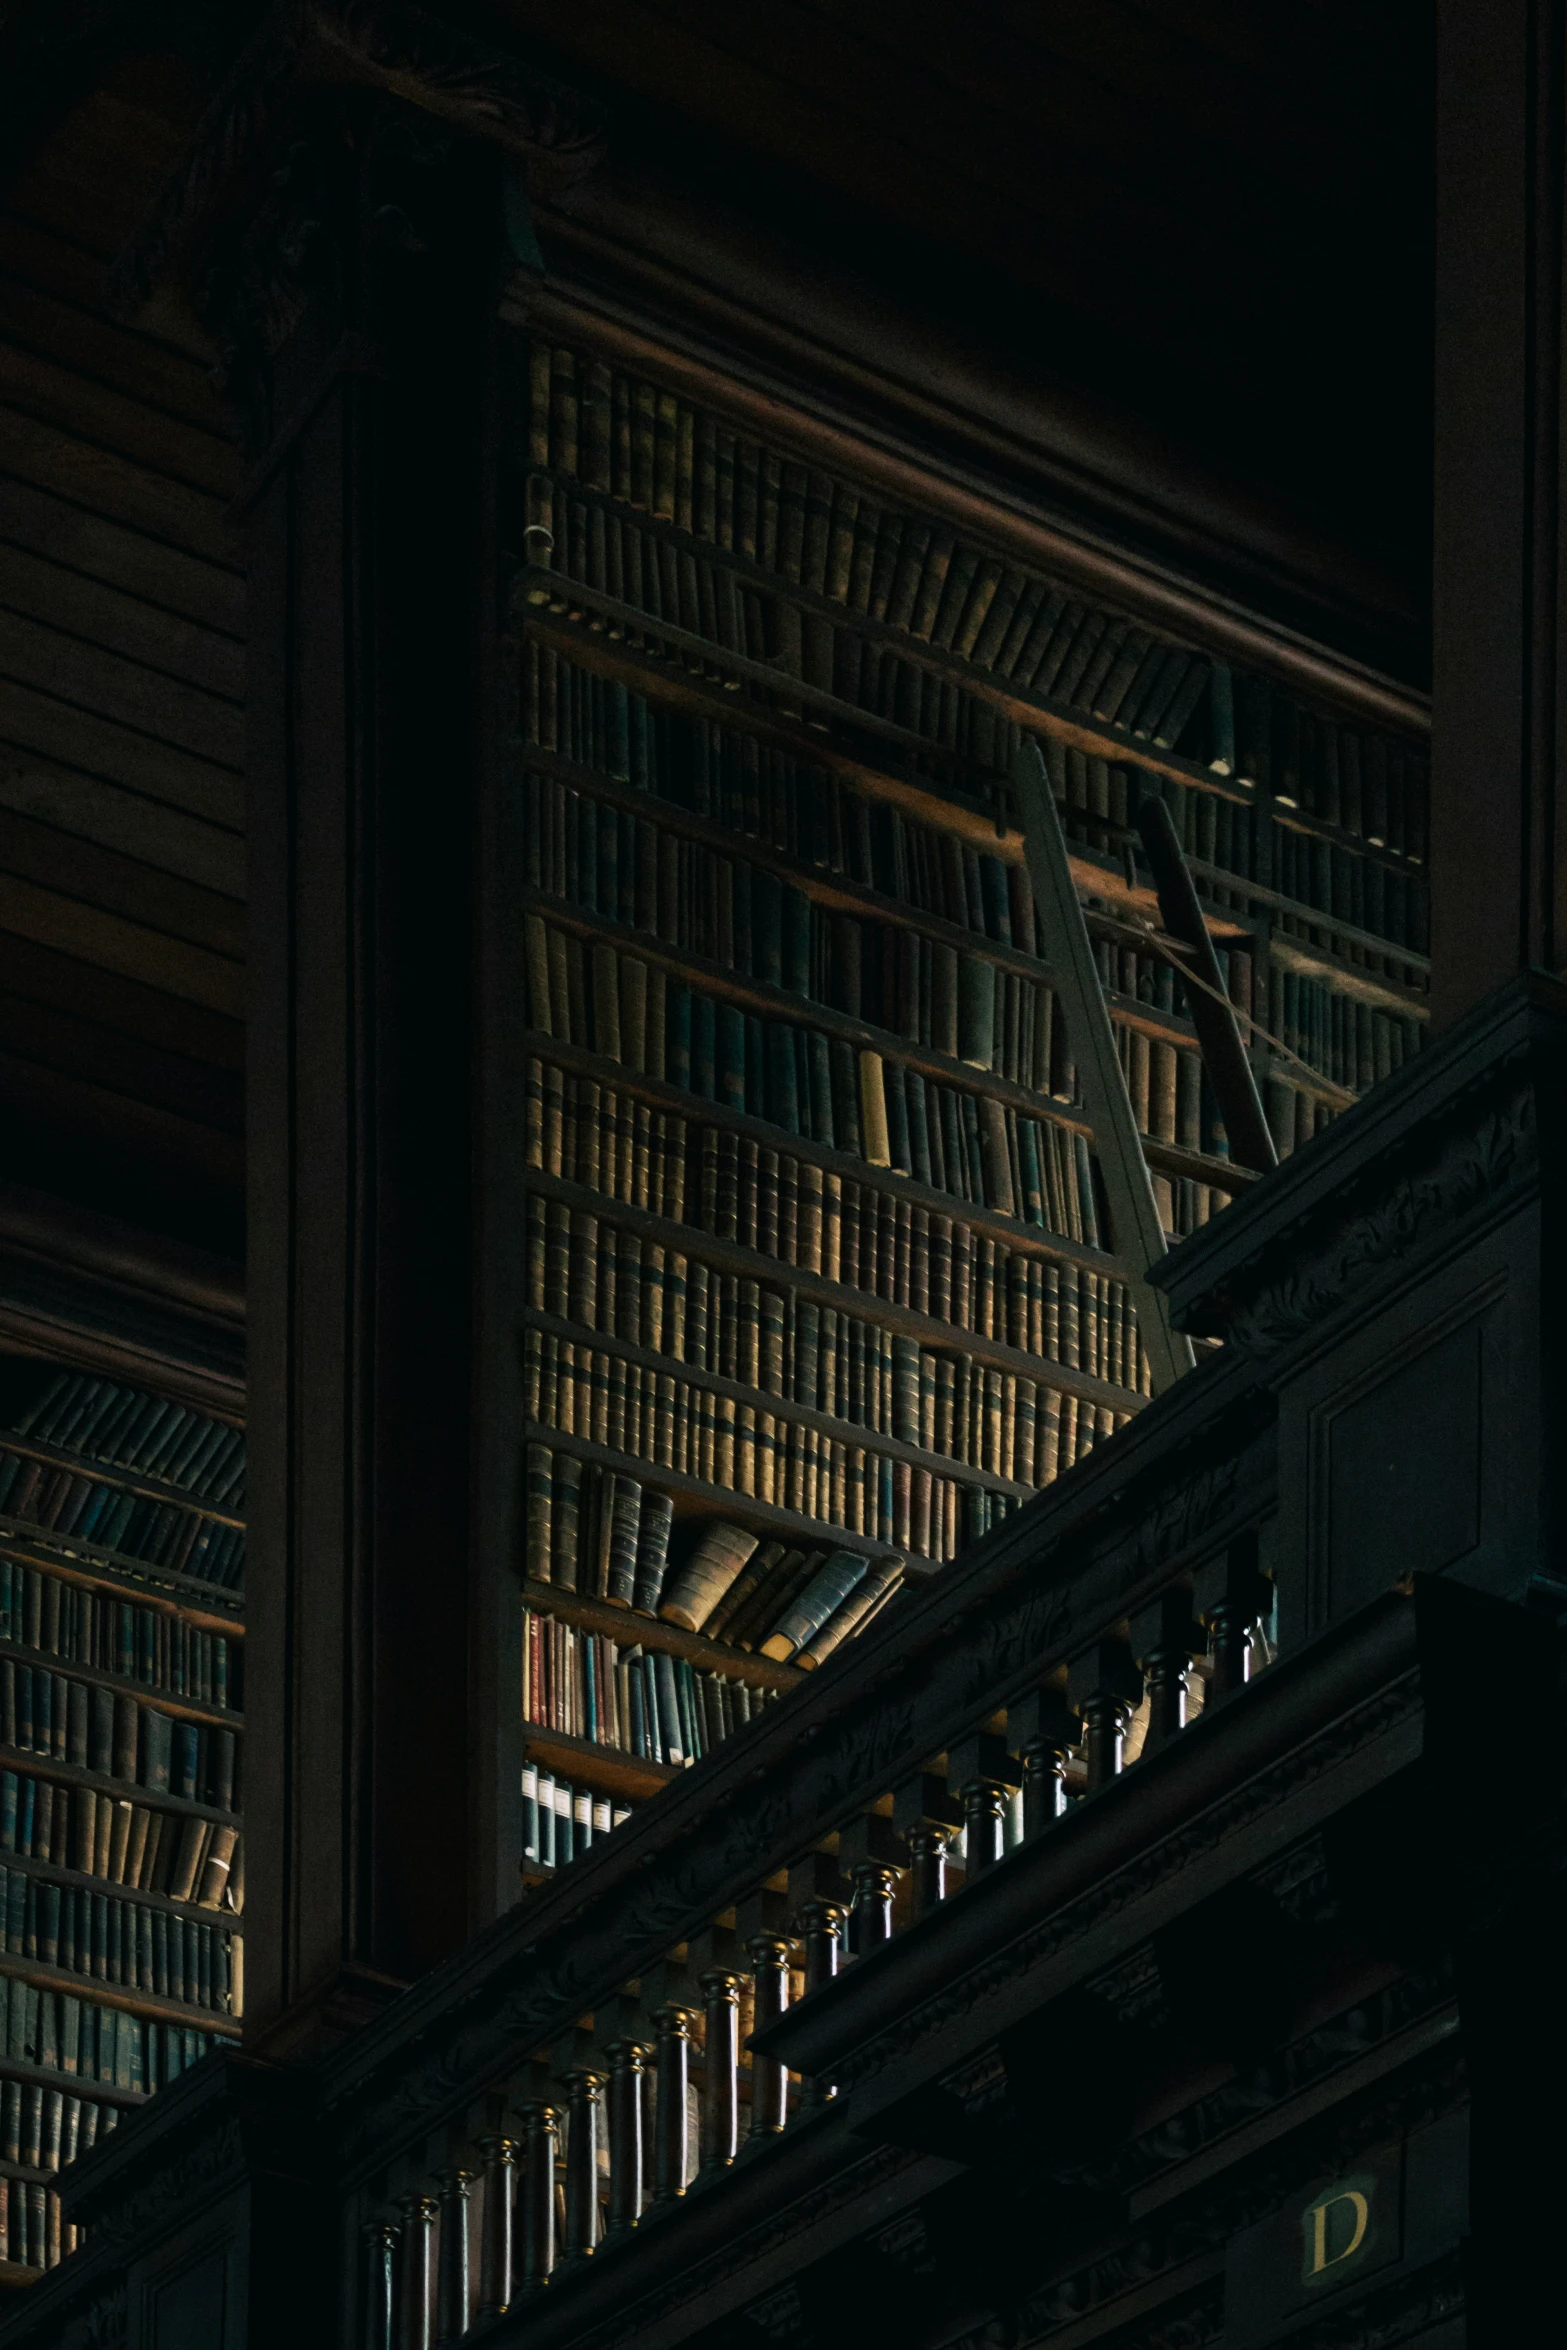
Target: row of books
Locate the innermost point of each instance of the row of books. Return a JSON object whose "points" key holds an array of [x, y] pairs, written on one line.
{"points": [[1171, 1098], [672, 1423], [716, 770], [767, 793], [97, 1835], [44, 2129], [575, 546], [78, 2037], [105, 1731], [970, 1145], [644, 447], [817, 819], [560, 1821], [125, 1428], [797, 1214], [77, 1507], [1294, 1116], [743, 918], [604, 1275], [646, 1702], [1352, 1041], [606, 1534], [126, 1943], [861, 1376], [33, 2230], [87, 1627]]}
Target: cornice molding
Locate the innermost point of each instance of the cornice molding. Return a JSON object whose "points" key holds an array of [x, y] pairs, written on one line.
{"points": [[1045, 1584], [1454, 1137], [554, 133]]}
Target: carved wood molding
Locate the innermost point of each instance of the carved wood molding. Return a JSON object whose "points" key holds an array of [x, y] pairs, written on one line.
{"points": [[932, 2020], [554, 133], [1454, 1136], [1042, 1587]]}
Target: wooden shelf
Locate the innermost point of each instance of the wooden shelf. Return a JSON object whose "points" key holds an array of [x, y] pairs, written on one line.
{"points": [[212, 1607], [55, 1767], [43, 2076], [1079, 729], [805, 1012], [147, 2004], [16, 2273], [846, 896], [776, 1003], [630, 1630], [605, 1768], [750, 1264], [127, 1480], [590, 650], [796, 1414], [28, 2178], [660, 1095], [858, 899], [53, 1872], [184, 1709], [765, 1517]]}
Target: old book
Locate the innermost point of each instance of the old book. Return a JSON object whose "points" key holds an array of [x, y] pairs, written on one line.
{"points": [[652, 1552], [834, 1579], [624, 1511], [696, 1588], [756, 1572]]}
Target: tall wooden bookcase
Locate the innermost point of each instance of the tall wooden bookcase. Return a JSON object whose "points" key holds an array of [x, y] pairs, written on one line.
{"points": [[790, 1039], [121, 1696]]}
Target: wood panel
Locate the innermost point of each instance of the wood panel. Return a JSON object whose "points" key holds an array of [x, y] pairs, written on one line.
{"points": [[122, 678]]}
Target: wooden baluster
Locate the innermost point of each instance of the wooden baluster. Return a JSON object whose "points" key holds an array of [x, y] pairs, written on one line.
{"points": [[983, 1774], [380, 2241], [1164, 1642], [584, 2102], [414, 2315], [821, 1923], [627, 2059], [720, 2087], [451, 2276], [672, 2150], [870, 1919], [928, 1851], [925, 1811], [1101, 1687], [1232, 1596], [540, 2145], [1041, 1732], [499, 2156], [769, 1956], [984, 1825]]}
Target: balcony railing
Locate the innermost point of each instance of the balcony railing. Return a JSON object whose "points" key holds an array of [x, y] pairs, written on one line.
{"points": [[534, 2114], [755, 1996]]}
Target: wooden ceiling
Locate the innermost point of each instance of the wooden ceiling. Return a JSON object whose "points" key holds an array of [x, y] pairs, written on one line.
{"points": [[1212, 214], [121, 702]]}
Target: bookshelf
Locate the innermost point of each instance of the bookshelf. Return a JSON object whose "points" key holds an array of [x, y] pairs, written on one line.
{"points": [[121, 1714], [816, 1248]]}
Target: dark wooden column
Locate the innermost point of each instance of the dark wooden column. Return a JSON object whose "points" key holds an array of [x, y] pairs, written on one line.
{"points": [[1498, 901], [371, 583]]}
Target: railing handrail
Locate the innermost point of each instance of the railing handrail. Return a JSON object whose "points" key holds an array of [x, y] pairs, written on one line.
{"points": [[1168, 1486]]}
